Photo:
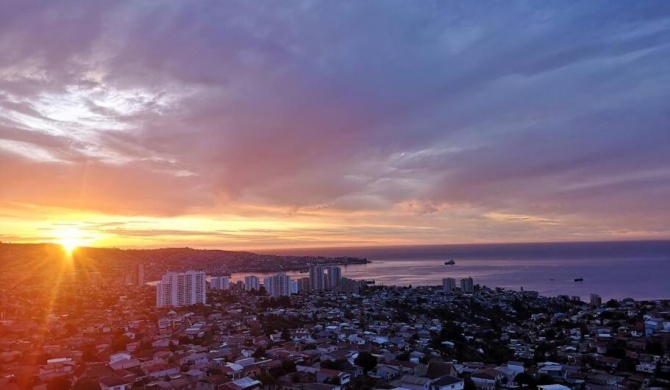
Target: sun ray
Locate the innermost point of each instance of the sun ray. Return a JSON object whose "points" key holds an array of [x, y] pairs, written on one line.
{"points": [[71, 239]]}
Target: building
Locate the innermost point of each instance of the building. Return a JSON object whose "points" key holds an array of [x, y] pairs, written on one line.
{"points": [[467, 285], [277, 285], [140, 275], [333, 278], [252, 282], [596, 300], [448, 284], [317, 279], [293, 287], [181, 289], [304, 284], [136, 275], [220, 282], [351, 285]]}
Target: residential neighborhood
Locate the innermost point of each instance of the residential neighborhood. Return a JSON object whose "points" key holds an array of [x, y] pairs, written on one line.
{"points": [[377, 337]]}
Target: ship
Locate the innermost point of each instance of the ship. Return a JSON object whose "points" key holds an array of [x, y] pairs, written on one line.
{"points": [[450, 262], [579, 279]]}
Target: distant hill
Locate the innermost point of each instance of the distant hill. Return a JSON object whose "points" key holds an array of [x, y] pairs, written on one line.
{"points": [[44, 260]]}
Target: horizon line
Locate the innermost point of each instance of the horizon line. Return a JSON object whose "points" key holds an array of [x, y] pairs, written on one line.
{"points": [[261, 250]]}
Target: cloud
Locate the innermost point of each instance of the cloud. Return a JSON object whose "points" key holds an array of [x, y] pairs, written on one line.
{"points": [[436, 112]]}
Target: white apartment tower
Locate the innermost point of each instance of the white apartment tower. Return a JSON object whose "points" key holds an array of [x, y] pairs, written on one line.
{"points": [[448, 284], [596, 300], [181, 289], [220, 282], [251, 282], [334, 277], [278, 285], [317, 279], [468, 285]]}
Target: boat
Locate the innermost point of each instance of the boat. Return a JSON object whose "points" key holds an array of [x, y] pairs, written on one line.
{"points": [[579, 279], [450, 262]]}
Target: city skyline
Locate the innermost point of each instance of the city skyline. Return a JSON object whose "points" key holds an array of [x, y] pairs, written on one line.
{"points": [[255, 125]]}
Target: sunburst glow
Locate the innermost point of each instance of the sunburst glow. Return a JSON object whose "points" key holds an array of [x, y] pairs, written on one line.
{"points": [[71, 239]]}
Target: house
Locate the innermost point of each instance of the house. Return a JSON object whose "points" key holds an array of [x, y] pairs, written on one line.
{"points": [[438, 369], [117, 357], [161, 369], [407, 367], [245, 383], [327, 374], [487, 377], [214, 382], [552, 387], [414, 382], [512, 369], [59, 367], [232, 370], [447, 382], [93, 371], [603, 379], [114, 383], [387, 371], [554, 370]]}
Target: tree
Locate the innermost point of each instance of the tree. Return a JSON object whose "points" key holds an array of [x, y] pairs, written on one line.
{"points": [[286, 335], [86, 384], [266, 379], [120, 343], [627, 365], [288, 367], [259, 353], [545, 379], [366, 361], [524, 379], [616, 352], [403, 356], [655, 348], [59, 383], [333, 364], [612, 303], [469, 384]]}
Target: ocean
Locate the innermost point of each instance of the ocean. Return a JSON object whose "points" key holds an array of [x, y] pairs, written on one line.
{"points": [[635, 269]]}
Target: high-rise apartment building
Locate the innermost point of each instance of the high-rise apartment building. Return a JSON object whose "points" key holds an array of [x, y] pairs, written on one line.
{"points": [[136, 275], [181, 289], [292, 287], [351, 285], [317, 278], [278, 285], [140, 274], [304, 284], [252, 282], [220, 282], [596, 300], [448, 284], [333, 278], [467, 285]]}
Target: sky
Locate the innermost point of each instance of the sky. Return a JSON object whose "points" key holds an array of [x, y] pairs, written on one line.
{"points": [[264, 124]]}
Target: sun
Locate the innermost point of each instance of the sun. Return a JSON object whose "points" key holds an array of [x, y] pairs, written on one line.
{"points": [[71, 239], [69, 244]]}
